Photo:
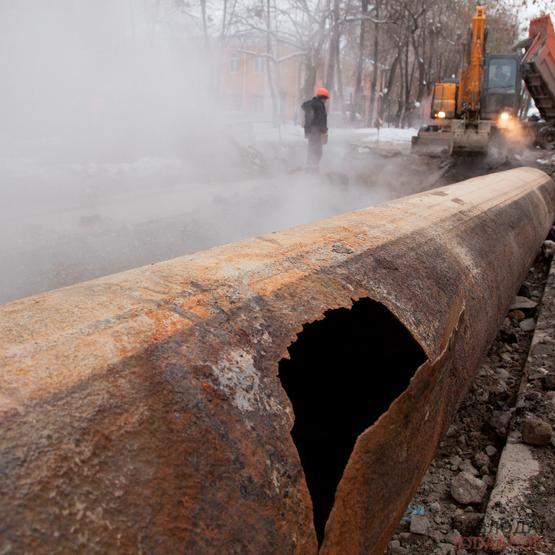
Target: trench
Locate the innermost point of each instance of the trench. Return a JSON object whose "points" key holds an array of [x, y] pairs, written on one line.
{"points": [[343, 372]]}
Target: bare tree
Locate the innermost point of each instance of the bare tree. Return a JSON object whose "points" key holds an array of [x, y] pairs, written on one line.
{"points": [[393, 49]]}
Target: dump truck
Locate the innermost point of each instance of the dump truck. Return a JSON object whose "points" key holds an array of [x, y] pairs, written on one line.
{"points": [[486, 95], [538, 73]]}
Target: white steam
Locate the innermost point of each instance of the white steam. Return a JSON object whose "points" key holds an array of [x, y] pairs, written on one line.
{"points": [[114, 150]]}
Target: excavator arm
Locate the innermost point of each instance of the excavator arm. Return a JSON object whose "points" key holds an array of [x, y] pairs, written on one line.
{"points": [[470, 77]]}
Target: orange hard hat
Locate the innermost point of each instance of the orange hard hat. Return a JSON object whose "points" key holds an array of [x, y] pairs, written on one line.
{"points": [[322, 91]]}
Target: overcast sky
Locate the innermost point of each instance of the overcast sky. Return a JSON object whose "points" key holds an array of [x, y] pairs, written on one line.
{"points": [[531, 11]]}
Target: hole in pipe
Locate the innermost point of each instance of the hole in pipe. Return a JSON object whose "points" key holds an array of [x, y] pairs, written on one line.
{"points": [[343, 372]]}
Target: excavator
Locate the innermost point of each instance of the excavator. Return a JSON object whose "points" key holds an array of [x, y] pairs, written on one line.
{"points": [[485, 99]]}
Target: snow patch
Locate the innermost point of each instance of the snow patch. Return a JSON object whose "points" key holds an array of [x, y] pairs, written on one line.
{"points": [[386, 134]]}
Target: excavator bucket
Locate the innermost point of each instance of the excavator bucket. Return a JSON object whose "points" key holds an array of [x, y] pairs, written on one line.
{"points": [[433, 140], [471, 137], [457, 136]]}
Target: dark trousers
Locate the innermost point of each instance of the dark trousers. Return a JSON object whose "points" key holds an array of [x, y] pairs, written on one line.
{"points": [[314, 154]]}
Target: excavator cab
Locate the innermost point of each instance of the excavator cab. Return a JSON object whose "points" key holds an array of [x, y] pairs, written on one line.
{"points": [[501, 87]]}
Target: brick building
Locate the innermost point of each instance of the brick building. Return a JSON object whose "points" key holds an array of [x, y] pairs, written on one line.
{"points": [[245, 89], [244, 82]]}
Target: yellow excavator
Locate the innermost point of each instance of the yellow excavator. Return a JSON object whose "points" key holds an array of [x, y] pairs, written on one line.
{"points": [[486, 95]]}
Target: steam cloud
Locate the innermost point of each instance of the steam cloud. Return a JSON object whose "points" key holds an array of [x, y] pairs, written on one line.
{"points": [[114, 150]]}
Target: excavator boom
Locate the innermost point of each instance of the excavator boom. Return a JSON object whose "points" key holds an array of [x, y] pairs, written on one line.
{"points": [[470, 78]]}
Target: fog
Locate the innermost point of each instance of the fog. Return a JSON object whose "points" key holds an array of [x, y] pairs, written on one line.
{"points": [[102, 80], [115, 152]]}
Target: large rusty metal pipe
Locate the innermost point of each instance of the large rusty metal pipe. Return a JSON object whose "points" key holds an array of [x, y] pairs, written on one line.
{"points": [[151, 411]]}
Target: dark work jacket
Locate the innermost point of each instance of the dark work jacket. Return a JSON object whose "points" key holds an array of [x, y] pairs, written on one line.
{"points": [[319, 120]]}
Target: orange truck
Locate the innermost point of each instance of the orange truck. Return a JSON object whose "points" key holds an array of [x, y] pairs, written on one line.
{"points": [[538, 73]]}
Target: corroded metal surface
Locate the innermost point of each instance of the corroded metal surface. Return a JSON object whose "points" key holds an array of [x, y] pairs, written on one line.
{"points": [[142, 412]]}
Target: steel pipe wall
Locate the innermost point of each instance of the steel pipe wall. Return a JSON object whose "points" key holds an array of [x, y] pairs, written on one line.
{"points": [[142, 412]]}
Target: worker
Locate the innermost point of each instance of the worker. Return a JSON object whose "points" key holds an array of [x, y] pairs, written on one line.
{"points": [[316, 127]]}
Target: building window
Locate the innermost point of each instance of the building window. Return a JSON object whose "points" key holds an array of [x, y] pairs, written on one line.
{"points": [[234, 65], [259, 64]]}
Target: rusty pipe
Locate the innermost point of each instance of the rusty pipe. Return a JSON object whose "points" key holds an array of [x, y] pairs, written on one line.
{"points": [[143, 411]]}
